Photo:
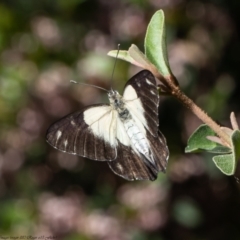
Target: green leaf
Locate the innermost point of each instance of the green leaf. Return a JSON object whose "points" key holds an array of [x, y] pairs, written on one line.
{"points": [[139, 57], [134, 56], [198, 141], [155, 43], [227, 163], [122, 54]]}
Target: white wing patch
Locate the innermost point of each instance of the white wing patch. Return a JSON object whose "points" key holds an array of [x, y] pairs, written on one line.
{"points": [[137, 111], [152, 92], [134, 105], [106, 124], [118, 165], [129, 93], [102, 122], [121, 133], [59, 134], [148, 82]]}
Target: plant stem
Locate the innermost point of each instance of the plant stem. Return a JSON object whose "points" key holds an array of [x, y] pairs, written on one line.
{"points": [[176, 92]]}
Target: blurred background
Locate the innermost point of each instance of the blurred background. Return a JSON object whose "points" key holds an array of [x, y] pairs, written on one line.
{"points": [[47, 193]]}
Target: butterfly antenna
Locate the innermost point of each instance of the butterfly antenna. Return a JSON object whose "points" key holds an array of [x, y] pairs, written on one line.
{"points": [[72, 81], [114, 66]]}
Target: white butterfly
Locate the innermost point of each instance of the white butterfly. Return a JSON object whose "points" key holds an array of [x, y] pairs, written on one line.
{"points": [[124, 133]]}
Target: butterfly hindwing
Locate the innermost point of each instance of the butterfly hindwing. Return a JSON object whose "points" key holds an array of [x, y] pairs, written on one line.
{"points": [[142, 99], [130, 165], [133, 166], [82, 133]]}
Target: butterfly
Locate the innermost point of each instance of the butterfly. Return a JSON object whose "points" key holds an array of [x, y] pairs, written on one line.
{"points": [[124, 133]]}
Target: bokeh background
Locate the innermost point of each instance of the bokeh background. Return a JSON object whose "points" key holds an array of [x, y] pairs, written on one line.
{"points": [[46, 193]]}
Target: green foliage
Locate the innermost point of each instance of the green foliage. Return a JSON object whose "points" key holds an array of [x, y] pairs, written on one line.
{"points": [[133, 55], [227, 161], [155, 43], [198, 141]]}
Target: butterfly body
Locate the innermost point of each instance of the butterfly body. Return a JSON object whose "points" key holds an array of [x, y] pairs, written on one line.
{"points": [[136, 136], [124, 133]]}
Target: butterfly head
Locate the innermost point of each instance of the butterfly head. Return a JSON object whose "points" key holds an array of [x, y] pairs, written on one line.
{"points": [[115, 99]]}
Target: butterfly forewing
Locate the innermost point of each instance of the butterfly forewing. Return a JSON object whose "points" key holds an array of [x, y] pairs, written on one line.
{"points": [[72, 134], [141, 96]]}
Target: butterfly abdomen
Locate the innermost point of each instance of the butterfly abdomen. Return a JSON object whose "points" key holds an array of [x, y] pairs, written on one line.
{"points": [[137, 138]]}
